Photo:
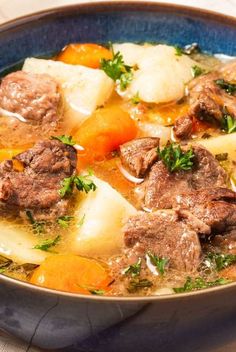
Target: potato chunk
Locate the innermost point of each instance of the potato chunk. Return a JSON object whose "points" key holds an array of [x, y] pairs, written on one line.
{"points": [[161, 75], [83, 88], [101, 215]]}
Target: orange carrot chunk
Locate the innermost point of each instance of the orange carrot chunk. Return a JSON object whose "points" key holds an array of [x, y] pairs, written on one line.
{"points": [[104, 132], [72, 273], [87, 54]]}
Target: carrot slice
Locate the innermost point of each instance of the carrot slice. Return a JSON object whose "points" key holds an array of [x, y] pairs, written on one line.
{"points": [[103, 132], [87, 54], [71, 273]]}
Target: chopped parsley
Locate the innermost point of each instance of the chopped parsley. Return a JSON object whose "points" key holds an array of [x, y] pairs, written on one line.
{"points": [[230, 88], [199, 283], [97, 292], [137, 284], [65, 139], [47, 244], [38, 226], [158, 262], [175, 159], [178, 51], [220, 261], [135, 99], [228, 124], [134, 269], [82, 183], [197, 71], [64, 221], [81, 221], [117, 70]]}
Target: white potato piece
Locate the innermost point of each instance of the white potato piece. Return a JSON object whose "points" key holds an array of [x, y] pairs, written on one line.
{"points": [[161, 75], [17, 245], [104, 213], [152, 129], [83, 88], [221, 144]]}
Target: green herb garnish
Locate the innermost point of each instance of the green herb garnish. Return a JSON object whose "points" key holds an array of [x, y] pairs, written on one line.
{"points": [[47, 244], [198, 284], [134, 269], [38, 226], [158, 262], [220, 261], [97, 292], [64, 221], [135, 285], [178, 50], [82, 183], [197, 71], [117, 70], [175, 159], [230, 88], [65, 139], [228, 124], [135, 99]]}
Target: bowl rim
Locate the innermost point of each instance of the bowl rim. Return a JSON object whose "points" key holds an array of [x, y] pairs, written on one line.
{"points": [[110, 6]]}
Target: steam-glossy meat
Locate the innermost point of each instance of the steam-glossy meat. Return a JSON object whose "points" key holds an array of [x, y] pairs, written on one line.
{"points": [[139, 155], [35, 183], [34, 97], [166, 234]]}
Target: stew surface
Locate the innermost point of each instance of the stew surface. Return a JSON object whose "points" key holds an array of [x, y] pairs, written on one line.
{"points": [[117, 170]]}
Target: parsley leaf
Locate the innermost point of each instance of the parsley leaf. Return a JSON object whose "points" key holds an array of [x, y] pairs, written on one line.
{"points": [[197, 71], [97, 292], [158, 262], [135, 99], [38, 226], [228, 124], [220, 260], [64, 221], [47, 244], [199, 283], [134, 269], [117, 70], [138, 284], [65, 139], [178, 51], [82, 183], [175, 159], [230, 88]]}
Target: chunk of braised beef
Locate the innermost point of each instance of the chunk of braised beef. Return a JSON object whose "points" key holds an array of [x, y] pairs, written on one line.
{"points": [[208, 101], [161, 187], [226, 241], [183, 127], [138, 155], [216, 207], [35, 186], [35, 97], [167, 234]]}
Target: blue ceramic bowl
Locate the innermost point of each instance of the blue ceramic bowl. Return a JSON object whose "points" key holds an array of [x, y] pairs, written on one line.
{"points": [[68, 322]]}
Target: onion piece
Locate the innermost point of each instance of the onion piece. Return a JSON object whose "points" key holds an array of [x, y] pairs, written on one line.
{"points": [[12, 114], [78, 147], [172, 135], [127, 175]]}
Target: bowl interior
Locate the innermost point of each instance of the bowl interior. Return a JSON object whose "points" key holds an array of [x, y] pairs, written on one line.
{"points": [[47, 32]]}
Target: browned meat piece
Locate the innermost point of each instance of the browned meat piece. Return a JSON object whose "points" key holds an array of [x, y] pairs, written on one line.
{"points": [[226, 242], [207, 100], [216, 207], [161, 186], [166, 234], [36, 186], [183, 127], [33, 96], [139, 155]]}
